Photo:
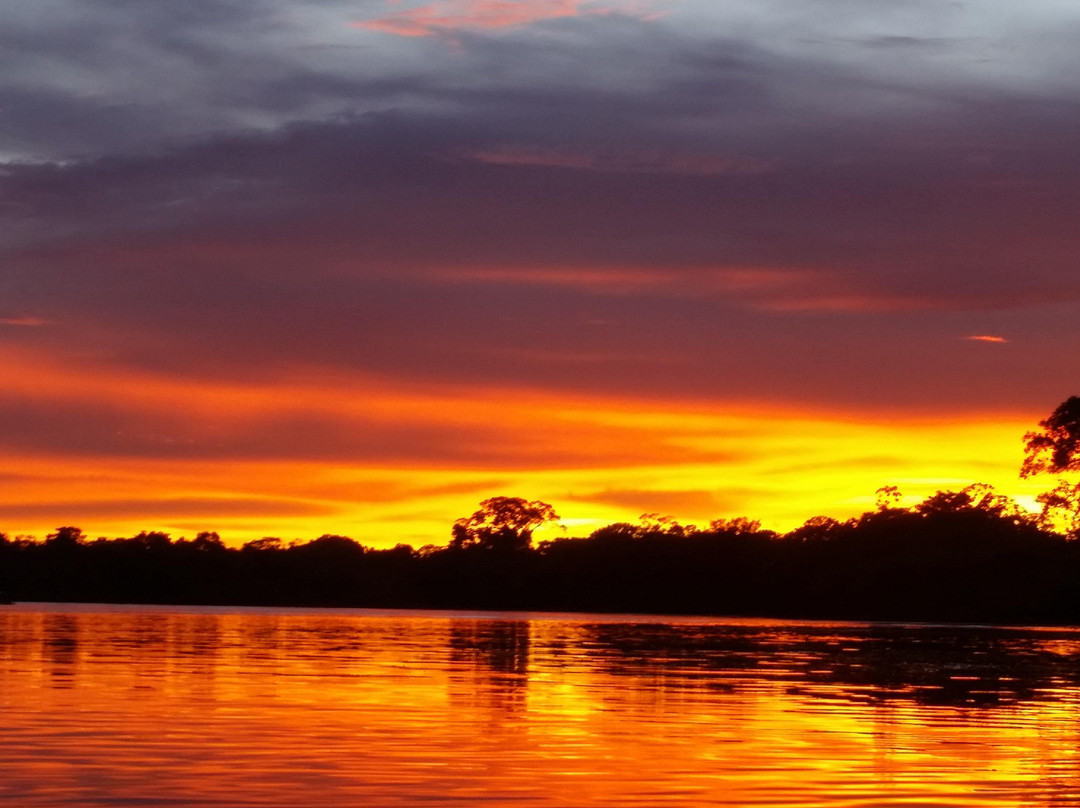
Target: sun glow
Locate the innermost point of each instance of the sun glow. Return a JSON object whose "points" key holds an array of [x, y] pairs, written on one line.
{"points": [[387, 463]]}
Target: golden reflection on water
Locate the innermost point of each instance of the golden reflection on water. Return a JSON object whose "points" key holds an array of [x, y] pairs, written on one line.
{"points": [[103, 706]]}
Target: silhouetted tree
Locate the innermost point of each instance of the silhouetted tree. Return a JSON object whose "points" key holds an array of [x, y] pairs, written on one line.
{"points": [[152, 540], [888, 496], [330, 545], [502, 523], [978, 497], [67, 536], [1061, 505], [815, 529], [737, 525], [618, 531], [657, 524], [208, 540], [1055, 447], [261, 545]]}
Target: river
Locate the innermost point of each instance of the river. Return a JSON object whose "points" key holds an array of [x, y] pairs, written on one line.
{"points": [[155, 706]]}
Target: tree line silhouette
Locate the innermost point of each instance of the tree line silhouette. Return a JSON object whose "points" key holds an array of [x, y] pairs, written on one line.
{"points": [[971, 555]]}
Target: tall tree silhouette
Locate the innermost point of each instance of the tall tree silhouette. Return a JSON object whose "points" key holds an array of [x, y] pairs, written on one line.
{"points": [[1055, 446], [1055, 449], [502, 523]]}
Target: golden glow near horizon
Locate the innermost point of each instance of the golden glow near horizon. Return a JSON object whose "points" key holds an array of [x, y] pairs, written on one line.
{"points": [[597, 460]]}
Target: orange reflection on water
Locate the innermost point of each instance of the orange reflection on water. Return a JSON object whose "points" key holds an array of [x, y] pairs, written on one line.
{"points": [[242, 707]]}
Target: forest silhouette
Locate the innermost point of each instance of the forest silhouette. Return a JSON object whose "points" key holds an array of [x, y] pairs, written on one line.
{"points": [[970, 555]]}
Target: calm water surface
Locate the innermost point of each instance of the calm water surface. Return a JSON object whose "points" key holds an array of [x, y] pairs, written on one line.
{"points": [[151, 706]]}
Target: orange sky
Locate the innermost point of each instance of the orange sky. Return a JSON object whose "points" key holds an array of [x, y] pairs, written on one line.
{"points": [[597, 459], [351, 268]]}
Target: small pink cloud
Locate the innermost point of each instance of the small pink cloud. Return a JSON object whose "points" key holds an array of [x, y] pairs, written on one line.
{"points": [[985, 338], [454, 15], [32, 322]]}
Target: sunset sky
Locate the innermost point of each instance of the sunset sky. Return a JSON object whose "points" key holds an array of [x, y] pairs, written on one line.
{"points": [[283, 268]]}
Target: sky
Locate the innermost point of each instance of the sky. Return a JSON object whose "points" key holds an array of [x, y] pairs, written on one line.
{"points": [[286, 268]]}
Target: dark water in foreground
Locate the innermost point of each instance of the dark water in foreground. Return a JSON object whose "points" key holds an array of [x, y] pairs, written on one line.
{"points": [[147, 706]]}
